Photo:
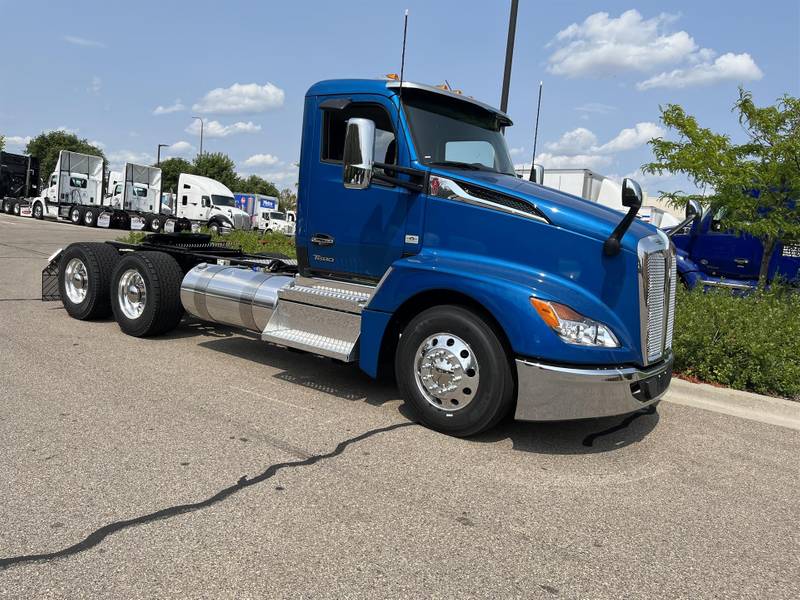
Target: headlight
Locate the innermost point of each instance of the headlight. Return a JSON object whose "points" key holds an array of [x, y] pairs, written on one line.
{"points": [[573, 327]]}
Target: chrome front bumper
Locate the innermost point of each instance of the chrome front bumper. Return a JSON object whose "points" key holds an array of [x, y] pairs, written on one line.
{"points": [[557, 393]]}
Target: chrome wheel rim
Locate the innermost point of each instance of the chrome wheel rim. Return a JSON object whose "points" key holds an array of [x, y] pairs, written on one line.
{"points": [[76, 281], [37, 211], [132, 294], [446, 372], [88, 217], [76, 216]]}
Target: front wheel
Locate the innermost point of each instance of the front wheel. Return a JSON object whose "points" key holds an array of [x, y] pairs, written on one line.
{"points": [[38, 211], [453, 369], [214, 228], [145, 293]]}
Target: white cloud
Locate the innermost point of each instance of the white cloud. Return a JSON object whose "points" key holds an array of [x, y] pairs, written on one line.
{"points": [[117, 160], [79, 41], [176, 106], [573, 142], [241, 98], [215, 129], [262, 160], [728, 67], [516, 151], [632, 137], [95, 85], [66, 129], [18, 141], [575, 161], [603, 45], [97, 144], [595, 108], [178, 149]]}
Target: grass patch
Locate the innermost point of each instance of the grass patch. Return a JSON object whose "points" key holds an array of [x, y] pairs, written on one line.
{"points": [[748, 343], [251, 242]]}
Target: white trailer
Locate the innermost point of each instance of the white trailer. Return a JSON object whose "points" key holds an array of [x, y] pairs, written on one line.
{"points": [[134, 199], [74, 190], [207, 202]]}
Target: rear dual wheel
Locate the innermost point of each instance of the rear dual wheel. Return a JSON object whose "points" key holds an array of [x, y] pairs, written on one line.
{"points": [[84, 276]]}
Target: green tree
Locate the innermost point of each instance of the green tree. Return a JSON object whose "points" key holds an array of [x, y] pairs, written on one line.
{"points": [[766, 164], [47, 145], [171, 169], [254, 184], [216, 165], [2, 142], [287, 199]]}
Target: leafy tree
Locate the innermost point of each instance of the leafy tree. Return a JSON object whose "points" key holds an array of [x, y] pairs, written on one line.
{"points": [[171, 169], [287, 199], [255, 185], [216, 165], [2, 142], [754, 183], [47, 145]]}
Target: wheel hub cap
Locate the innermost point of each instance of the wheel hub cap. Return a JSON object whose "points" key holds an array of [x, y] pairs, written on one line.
{"points": [[132, 294], [76, 280], [446, 371]]}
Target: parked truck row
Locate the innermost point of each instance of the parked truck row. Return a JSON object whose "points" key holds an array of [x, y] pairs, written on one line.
{"points": [[485, 295]]}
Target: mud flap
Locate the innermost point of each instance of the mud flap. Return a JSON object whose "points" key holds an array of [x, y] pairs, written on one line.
{"points": [[50, 291]]}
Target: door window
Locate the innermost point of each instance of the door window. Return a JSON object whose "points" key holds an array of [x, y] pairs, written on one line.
{"points": [[206, 201], [335, 126]]}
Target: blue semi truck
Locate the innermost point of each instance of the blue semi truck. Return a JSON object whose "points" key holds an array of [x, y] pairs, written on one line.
{"points": [[419, 252], [712, 256]]}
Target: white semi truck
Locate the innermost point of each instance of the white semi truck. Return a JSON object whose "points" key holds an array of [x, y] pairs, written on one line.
{"points": [[134, 199], [273, 221], [73, 191], [207, 202]]}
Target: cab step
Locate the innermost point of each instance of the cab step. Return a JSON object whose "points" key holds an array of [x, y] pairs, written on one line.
{"points": [[329, 294]]}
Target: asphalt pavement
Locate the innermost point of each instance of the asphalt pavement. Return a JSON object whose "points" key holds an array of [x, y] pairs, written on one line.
{"points": [[208, 464]]}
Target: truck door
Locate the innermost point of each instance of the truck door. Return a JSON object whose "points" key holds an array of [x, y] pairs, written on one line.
{"points": [[353, 234], [725, 253]]}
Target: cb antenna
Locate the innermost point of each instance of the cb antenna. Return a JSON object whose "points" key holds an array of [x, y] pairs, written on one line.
{"points": [[531, 176], [403, 55]]}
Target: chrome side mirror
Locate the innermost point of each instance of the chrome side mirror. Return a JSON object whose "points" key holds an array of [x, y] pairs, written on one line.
{"points": [[359, 147], [631, 193], [693, 209], [537, 174]]}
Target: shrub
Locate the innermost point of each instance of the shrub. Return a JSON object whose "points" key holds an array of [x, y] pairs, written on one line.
{"points": [[251, 242], [746, 342]]}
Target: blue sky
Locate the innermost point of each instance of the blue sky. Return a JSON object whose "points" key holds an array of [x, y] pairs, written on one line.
{"points": [[102, 69]]}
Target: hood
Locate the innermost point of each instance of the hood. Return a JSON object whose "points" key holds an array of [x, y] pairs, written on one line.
{"points": [[563, 210]]}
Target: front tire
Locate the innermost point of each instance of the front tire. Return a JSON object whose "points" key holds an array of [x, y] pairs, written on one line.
{"points": [[145, 293], [84, 276], [214, 228], [453, 369], [38, 211]]}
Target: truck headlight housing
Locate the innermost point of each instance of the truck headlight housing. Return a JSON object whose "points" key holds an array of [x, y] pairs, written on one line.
{"points": [[572, 327]]}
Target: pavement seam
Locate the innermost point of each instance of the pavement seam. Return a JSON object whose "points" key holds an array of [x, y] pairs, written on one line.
{"points": [[98, 535]]}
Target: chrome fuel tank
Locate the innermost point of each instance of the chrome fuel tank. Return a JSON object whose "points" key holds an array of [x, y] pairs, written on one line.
{"points": [[231, 295]]}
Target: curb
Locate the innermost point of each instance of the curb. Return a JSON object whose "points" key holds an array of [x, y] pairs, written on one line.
{"points": [[746, 405]]}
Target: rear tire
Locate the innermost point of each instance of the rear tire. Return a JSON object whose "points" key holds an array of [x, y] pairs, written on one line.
{"points": [[7, 206], [17, 208], [145, 293], [84, 276], [154, 223], [90, 216], [76, 215], [454, 371]]}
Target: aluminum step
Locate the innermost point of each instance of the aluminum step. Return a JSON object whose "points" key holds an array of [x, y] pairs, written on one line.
{"points": [[328, 293], [313, 328]]}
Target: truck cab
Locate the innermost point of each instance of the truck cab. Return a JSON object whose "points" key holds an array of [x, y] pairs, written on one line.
{"points": [[712, 256], [274, 221], [205, 201]]}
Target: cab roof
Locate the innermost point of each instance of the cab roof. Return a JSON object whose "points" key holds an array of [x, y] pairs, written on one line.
{"points": [[389, 87]]}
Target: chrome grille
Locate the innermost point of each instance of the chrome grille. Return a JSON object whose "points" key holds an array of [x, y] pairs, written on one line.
{"points": [[657, 295]]}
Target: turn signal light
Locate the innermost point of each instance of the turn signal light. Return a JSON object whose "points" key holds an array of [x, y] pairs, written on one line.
{"points": [[572, 327]]}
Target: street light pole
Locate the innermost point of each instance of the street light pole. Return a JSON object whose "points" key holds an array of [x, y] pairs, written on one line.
{"points": [[201, 133], [512, 30], [158, 153]]}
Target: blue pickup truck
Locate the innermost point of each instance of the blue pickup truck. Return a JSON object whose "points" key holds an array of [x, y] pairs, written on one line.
{"points": [[711, 256], [419, 251]]}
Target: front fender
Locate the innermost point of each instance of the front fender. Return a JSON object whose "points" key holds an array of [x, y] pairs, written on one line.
{"points": [[504, 290]]}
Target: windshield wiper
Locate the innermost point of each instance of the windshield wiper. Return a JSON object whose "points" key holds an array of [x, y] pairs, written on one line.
{"points": [[455, 163]]}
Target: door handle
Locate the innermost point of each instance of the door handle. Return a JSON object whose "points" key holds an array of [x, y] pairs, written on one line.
{"points": [[322, 239], [741, 261]]}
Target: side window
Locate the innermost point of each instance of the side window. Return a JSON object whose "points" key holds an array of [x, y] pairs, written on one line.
{"points": [[334, 126], [53, 180], [186, 186], [206, 201], [185, 200], [716, 221], [117, 189]]}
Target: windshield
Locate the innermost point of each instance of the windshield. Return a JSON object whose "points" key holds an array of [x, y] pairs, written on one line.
{"points": [[456, 134], [278, 216], [140, 191], [223, 201]]}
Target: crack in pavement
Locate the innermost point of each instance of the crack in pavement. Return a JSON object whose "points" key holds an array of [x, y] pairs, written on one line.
{"points": [[97, 536], [589, 439]]}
